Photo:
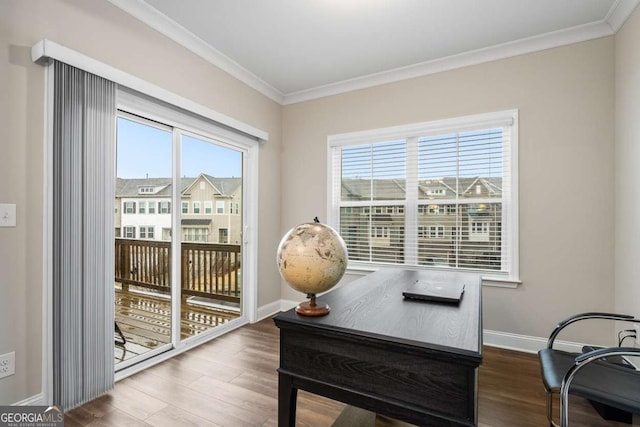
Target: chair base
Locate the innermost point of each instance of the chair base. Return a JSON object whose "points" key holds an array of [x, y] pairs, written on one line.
{"points": [[119, 338], [612, 414]]}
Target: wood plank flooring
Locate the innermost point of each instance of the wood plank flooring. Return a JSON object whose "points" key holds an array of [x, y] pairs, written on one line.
{"points": [[232, 381]]}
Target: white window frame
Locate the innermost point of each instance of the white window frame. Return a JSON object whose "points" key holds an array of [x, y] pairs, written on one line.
{"points": [[151, 207], [219, 207], [379, 232], [197, 207], [509, 276], [142, 207], [164, 207], [436, 231], [479, 230], [224, 231], [193, 125], [184, 207], [195, 234], [208, 207], [129, 232], [129, 207], [147, 232], [433, 209]]}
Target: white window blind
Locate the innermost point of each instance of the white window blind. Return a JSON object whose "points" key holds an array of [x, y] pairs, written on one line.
{"points": [[438, 194]]}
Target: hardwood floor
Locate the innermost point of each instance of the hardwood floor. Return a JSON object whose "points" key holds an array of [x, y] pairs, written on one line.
{"points": [[232, 381]]}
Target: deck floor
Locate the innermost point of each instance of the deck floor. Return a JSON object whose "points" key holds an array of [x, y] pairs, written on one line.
{"points": [[145, 321]]}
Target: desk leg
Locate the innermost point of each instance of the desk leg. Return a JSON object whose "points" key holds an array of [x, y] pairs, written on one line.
{"points": [[287, 398]]}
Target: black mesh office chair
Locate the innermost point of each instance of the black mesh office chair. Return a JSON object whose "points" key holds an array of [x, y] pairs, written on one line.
{"points": [[602, 375]]}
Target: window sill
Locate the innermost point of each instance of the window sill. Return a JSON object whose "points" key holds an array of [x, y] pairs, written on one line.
{"points": [[500, 282], [494, 282], [361, 271]]}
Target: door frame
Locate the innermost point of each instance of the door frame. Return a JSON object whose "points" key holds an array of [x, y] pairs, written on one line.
{"points": [[224, 129]]}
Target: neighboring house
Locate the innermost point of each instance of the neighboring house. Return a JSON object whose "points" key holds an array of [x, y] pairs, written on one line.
{"points": [[210, 208], [459, 221]]}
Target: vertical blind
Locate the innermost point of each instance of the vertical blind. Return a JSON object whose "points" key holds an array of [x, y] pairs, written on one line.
{"points": [[440, 200], [83, 276]]}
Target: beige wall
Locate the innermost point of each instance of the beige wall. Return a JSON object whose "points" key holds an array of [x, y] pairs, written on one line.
{"points": [[627, 127], [566, 101], [102, 31]]}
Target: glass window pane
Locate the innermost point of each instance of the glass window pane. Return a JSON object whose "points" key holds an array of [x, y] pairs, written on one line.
{"points": [[143, 179], [373, 238], [374, 171], [481, 168], [212, 177]]}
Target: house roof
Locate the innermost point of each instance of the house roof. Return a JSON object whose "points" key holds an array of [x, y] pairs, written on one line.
{"points": [[129, 187], [390, 189], [225, 186]]}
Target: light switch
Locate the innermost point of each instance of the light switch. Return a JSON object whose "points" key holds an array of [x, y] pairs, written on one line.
{"points": [[7, 215]]}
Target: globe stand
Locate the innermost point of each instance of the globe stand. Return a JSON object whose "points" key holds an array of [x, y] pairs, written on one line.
{"points": [[311, 308]]}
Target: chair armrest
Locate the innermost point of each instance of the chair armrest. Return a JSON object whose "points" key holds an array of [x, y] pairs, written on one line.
{"points": [[590, 356], [583, 316], [580, 362]]}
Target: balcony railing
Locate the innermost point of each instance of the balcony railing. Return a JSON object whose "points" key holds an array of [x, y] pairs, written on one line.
{"points": [[209, 270]]}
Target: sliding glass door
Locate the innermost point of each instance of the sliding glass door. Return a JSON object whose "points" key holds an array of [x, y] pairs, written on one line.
{"points": [[211, 234], [178, 236]]}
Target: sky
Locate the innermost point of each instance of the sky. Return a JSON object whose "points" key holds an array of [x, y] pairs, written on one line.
{"points": [[146, 151]]}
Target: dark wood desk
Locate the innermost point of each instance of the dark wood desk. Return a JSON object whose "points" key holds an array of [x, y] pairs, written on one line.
{"points": [[413, 361]]}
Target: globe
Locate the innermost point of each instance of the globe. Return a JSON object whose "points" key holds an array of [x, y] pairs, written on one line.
{"points": [[312, 258]]}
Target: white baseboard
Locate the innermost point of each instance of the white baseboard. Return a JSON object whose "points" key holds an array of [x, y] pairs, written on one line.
{"points": [[37, 400], [269, 310], [275, 307], [525, 343], [286, 304]]}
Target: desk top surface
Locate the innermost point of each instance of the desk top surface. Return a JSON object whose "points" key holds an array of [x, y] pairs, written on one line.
{"points": [[373, 306]]}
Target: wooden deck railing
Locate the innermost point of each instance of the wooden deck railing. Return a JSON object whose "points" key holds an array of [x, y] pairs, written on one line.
{"points": [[209, 270]]}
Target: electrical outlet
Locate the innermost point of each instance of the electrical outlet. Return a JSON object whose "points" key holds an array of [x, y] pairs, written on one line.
{"points": [[7, 364]]}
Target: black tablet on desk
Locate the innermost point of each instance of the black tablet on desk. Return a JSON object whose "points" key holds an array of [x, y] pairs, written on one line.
{"points": [[434, 291]]}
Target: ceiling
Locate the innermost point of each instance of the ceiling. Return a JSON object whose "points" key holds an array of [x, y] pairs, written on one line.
{"points": [[295, 50]]}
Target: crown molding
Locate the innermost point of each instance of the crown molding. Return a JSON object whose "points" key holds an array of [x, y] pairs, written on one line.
{"points": [[142, 11], [615, 18], [617, 15]]}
